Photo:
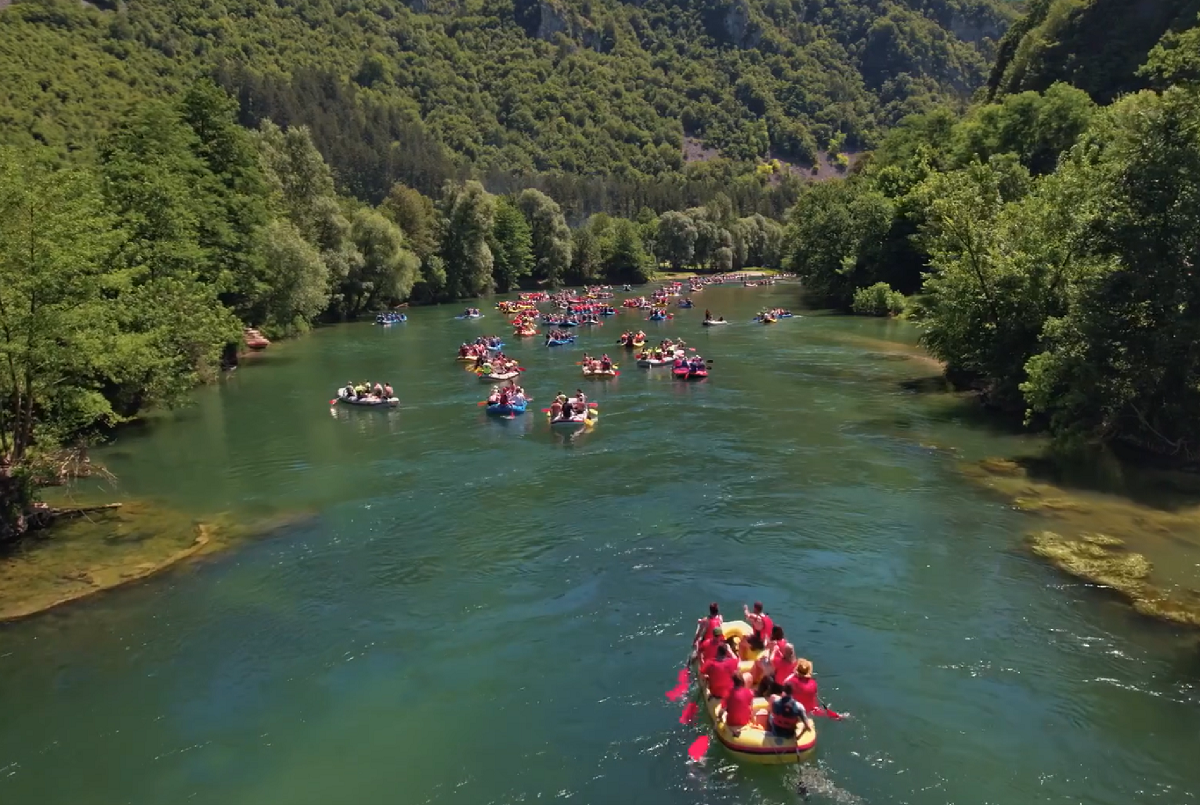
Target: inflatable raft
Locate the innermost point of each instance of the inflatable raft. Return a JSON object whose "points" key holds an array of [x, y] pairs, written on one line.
{"points": [[647, 363], [688, 373], [559, 342], [598, 373], [755, 745], [584, 420], [713, 322], [490, 377], [496, 409], [367, 402]]}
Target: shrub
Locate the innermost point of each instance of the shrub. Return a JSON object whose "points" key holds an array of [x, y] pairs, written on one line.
{"points": [[878, 300]]}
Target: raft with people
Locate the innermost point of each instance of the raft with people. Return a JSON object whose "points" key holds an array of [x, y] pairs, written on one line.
{"points": [[758, 695], [575, 419], [470, 313], [690, 369], [380, 395], [714, 322]]}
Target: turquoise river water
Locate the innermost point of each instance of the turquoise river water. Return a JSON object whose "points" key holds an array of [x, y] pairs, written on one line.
{"points": [[483, 611]]}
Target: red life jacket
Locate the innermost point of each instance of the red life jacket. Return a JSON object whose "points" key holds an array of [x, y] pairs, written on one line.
{"points": [[764, 632], [784, 669], [739, 707], [804, 690]]}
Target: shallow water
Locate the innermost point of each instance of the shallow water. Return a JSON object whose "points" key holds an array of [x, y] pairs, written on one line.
{"points": [[487, 612]]}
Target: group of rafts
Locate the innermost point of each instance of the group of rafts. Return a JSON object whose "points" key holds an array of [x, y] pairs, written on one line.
{"points": [[759, 695]]}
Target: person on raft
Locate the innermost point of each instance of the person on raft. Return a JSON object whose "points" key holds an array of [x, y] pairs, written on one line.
{"points": [[737, 710], [605, 362], [350, 392], [786, 714], [761, 623], [719, 673]]}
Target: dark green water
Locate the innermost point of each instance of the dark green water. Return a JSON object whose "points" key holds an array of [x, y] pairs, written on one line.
{"points": [[487, 612]]}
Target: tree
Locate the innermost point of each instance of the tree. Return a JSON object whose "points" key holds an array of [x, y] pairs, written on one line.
{"points": [[59, 333], [676, 239], [627, 260], [416, 215], [233, 199], [512, 246], [468, 214], [833, 239], [301, 290], [303, 190], [551, 236], [387, 271], [1123, 362]]}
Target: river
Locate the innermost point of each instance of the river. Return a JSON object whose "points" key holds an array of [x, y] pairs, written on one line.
{"points": [[475, 611]]}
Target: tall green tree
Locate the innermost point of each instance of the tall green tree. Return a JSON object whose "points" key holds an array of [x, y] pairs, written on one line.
{"points": [[387, 271], [834, 237], [551, 236], [468, 215], [676, 240], [512, 246], [59, 326], [627, 259]]}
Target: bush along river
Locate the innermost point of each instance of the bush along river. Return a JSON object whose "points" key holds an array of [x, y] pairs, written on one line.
{"points": [[428, 605]]}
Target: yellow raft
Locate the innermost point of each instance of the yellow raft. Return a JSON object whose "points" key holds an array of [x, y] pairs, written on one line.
{"points": [[756, 745]]}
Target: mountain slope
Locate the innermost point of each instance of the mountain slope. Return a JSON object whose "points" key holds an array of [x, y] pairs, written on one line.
{"points": [[1096, 45], [437, 87]]}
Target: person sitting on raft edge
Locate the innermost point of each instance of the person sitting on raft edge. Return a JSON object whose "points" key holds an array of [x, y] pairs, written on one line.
{"points": [[720, 672], [786, 714], [737, 711]]}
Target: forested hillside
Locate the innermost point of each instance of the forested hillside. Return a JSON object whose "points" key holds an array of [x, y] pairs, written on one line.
{"points": [[1096, 45], [1051, 243], [435, 89]]}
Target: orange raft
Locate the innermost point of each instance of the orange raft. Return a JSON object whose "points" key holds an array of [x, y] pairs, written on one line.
{"points": [[755, 745]]}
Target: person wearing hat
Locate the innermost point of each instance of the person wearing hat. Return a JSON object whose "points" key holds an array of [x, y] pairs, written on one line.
{"points": [[719, 673], [710, 645], [803, 686], [786, 714]]}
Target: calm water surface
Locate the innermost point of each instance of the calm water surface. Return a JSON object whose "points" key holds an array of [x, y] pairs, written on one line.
{"points": [[480, 611]]}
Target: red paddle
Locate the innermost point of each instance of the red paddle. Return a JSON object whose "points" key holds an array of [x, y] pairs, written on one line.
{"points": [[822, 710], [333, 401], [689, 712], [698, 748]]}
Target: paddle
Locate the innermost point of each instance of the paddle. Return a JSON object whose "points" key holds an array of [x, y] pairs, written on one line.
{"points": [[822, 710], [698, 748], [333, 401]]}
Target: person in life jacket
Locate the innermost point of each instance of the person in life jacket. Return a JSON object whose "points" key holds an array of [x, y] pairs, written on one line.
{"points": [[803, 686], [704, 626], [786, 714], [737, 711], [719, 673], [761, 623], [709, 646]]}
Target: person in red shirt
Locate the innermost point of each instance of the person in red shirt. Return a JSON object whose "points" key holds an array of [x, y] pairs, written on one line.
{"points": [[737, 709], [783, 668], [803, 686], [719, 672], [708, 647]]}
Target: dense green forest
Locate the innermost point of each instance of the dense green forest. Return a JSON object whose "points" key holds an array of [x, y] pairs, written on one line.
{"points": [[1052, 245], [586, 100]]}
